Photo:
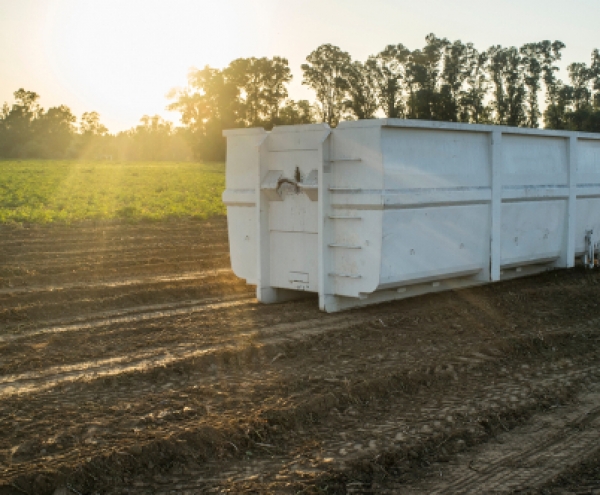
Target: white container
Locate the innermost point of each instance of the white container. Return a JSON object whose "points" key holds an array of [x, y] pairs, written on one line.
{"points": [[376, 210]]}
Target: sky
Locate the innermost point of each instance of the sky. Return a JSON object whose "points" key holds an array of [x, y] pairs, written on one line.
{"points": [[121, 57]]}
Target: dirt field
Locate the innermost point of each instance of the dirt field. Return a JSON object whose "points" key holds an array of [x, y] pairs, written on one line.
{"points": [[133, 361]]}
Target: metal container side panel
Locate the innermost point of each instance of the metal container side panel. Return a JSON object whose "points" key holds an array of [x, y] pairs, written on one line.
{"points": [[532, 232], [535, 190], [434, 243], [240, 198], [355, 226], [588, 192], [437, 198], [356, 159], [534, 161], [588, 163], [427, 159]]}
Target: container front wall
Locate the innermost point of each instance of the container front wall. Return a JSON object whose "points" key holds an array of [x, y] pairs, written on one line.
{"points": [[292, 154], [240, 198]]}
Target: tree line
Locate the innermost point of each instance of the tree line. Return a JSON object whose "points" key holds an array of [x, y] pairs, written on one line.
{"points": [[444, 80], [29, 131]]}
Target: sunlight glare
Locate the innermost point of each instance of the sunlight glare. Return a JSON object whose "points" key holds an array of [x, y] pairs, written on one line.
{"points": [[122, 58]]}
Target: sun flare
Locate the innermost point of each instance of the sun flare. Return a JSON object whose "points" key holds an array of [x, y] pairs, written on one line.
{"points": [[121, 58]]}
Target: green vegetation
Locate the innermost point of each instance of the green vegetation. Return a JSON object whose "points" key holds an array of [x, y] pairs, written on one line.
{"points": [[68, 191]]}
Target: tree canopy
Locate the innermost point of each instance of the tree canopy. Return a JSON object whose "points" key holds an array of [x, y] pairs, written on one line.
{"points": [[444, 80]]}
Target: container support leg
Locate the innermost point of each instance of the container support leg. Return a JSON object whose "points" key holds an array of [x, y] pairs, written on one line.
{"points": [[590, 247], [496, 205], [325, 226]]}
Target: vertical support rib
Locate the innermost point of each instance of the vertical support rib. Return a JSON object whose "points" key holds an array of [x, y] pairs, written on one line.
{"points": [[325, 224], [264, 292], [496, 204], [569, 262]]}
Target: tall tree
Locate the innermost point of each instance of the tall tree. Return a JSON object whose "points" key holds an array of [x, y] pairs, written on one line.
{"points": [[580, 75], [498, 60], [576, 106], [208, 105], [595, 70], [472, 101], [538, 61], [387, 73], [422, 78], [54, 131], [515, 89], [327, 74], [93, 142], [261, 84], [532, 70], [17, 135], [361, 99], [295, 112], [506, 74], [90, 125], [454, 74], [249, 92], [554, 91]]}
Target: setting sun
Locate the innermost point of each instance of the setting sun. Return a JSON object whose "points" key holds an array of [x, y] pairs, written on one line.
{"points": [[123, 59]]}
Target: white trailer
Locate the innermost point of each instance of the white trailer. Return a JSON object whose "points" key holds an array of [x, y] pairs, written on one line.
{"points": [[376, 210]]}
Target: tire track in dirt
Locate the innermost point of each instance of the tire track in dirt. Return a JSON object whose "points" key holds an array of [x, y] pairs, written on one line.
{"points": [[526, 457], [106, 284], [129, 315], [99, 255], [45, 266], [340, 382], [44, 379], [280, 464], [504, 388], [148, 269], [581, 479], [394, 438], [126, 315]]}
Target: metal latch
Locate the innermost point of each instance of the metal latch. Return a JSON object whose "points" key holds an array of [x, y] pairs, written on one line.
{"points": [[275, 185]]}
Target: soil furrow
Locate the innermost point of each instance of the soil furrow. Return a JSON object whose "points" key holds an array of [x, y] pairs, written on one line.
{"points": [[114, 283], [357, 435], [149, 370]]}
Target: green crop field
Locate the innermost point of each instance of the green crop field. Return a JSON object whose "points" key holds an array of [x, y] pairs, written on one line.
{"points": [[45, 191]]}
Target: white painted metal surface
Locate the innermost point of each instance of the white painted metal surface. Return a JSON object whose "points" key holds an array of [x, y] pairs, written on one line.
{"points": [[376, 210]]}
